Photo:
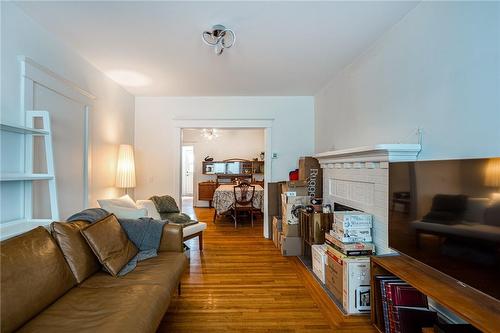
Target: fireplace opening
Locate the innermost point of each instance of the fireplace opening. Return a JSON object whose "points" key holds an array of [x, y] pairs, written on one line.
{"points": [[339, 207]]}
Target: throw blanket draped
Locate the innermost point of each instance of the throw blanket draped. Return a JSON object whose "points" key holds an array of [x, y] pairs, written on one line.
{"points": [[145, 233]]}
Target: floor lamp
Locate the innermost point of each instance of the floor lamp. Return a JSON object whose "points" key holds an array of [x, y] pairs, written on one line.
{"points": [[125, 168]]}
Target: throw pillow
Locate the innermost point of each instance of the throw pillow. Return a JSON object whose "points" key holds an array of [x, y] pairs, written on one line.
{"points": [[127, 213], [124, 201], [110, 244], [165, 204], [76, 251]]}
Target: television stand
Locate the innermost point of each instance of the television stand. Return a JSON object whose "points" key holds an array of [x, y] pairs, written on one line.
{"points": [[477, 308]]}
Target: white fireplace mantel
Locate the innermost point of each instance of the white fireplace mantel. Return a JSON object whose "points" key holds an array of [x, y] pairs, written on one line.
{"points": [[359, 178], [375, 153]]}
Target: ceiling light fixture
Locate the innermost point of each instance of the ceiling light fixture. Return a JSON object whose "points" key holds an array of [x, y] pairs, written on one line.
{"points": [[210, 133], [219, 37]]}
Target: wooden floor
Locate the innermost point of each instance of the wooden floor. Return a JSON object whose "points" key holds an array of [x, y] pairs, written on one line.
{"points": [[241, 283]]}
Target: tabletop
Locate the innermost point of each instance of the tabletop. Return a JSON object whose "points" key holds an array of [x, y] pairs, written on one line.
{"points": [[229, 187]]}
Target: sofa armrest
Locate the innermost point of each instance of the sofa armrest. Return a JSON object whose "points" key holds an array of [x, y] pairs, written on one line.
{"points": [[172, 238]]}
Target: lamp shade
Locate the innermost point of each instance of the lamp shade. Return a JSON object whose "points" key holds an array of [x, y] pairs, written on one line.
{"points": [[125, 169], [492, 176]]}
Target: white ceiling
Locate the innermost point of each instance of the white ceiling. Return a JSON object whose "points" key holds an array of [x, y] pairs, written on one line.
{"points": [[283, 48]]}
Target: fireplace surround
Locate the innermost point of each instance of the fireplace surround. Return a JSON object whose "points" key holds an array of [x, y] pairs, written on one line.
{"points": [[359, 178]]}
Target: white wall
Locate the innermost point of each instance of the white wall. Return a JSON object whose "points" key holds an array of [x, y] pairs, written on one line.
{"points": [[112, 116], [438, 69], [155, 140], [231, 143]]}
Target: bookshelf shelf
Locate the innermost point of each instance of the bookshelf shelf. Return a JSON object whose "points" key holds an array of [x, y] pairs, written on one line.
{"points": [[480, 310], [22, 129], [23, 176]]}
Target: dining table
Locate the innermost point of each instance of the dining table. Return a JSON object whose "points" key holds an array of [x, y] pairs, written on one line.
{"points": [[224, 199]]}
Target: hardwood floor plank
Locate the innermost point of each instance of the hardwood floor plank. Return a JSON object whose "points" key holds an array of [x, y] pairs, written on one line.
{"points": [[241, 283]]}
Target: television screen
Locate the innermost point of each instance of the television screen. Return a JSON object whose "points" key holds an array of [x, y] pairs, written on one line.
{"points": [[446, 214]]}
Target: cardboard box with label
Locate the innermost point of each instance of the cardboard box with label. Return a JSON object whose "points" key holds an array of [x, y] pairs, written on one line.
{"points": [[297, 186], [352, 219], [289, 207], [352, 235], [311, 172], [354, 273]]}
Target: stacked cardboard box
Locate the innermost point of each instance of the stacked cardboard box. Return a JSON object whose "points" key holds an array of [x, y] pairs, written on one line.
{"points": [[291, 246], [333, 275], [299, 187], [273, 201], [310, 171], [319, 260], [294, 194], [277, 228], [352, 226], [348, 247], [290, 203], [349, 280]]}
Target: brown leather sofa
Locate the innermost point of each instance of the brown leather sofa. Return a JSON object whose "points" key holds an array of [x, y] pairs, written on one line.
{"points": [[40, 292]]}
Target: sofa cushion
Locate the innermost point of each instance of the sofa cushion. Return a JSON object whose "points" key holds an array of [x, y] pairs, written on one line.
{"points": [[34, 274], [133, 303], [131, 309], [77, 252], [164, 271], [193, 229], [110, 243]]}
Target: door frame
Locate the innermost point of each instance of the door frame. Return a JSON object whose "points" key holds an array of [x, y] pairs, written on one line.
{"points": [[264, 123]]}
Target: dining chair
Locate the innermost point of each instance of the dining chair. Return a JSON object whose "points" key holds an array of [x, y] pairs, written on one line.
{"points": [[243, 200]]}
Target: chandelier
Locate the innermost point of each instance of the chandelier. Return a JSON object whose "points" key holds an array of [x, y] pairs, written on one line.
{"points": [[210, 133], [219, 37]]}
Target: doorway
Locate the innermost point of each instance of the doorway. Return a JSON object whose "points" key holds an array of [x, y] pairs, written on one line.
{"points": [[187, 170], [264, 124]]}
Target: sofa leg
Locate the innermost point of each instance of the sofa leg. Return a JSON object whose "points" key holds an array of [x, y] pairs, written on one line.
{"points": [[179, 289], [200, 241]]}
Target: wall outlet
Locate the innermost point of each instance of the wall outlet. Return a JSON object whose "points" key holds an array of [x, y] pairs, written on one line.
{"points": [[274, 155]]}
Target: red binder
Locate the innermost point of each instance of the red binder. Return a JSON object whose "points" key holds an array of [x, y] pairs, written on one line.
{"points": [[402, 294]]}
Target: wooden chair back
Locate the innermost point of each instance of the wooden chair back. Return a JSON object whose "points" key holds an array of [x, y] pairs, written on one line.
{"points": [[243, 194]]}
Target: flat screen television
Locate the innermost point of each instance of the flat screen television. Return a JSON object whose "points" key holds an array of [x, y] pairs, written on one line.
{"points": [[446, 214]]}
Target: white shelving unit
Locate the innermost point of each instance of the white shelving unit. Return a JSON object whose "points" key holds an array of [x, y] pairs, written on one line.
{"points": [[27, 222], [6, 177], [16, 227]]}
